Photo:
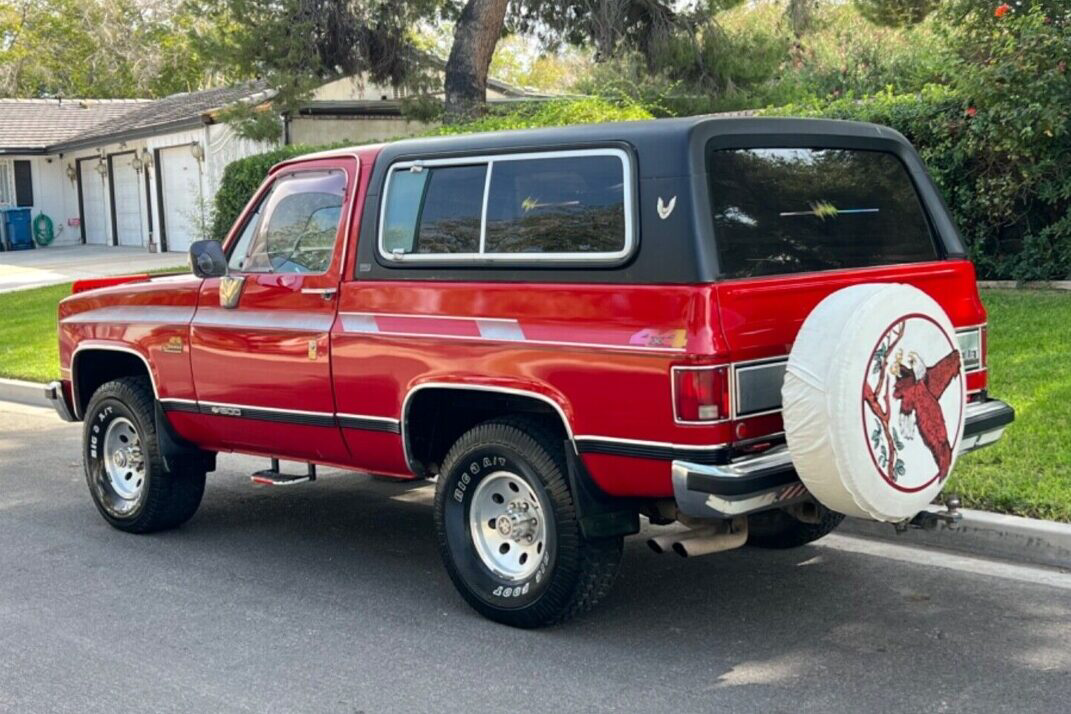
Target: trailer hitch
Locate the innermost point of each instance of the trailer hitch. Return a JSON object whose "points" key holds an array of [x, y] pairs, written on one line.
{"points": [[932, 520]]}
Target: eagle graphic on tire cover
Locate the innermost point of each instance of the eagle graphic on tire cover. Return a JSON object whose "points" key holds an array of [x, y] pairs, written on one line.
{"points": [[911, 394]]}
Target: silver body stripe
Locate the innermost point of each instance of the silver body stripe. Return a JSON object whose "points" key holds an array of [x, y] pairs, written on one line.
{"points": [[140, 314], [491, 329], [359, 322], [264, 319], [509, 330]]}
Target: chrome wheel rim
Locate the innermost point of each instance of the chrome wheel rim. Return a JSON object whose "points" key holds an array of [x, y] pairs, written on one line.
{"points": [[124, 463], [508, 525]]}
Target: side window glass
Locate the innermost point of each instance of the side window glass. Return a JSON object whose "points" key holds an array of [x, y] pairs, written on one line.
{"points": [[556, 205], [299, 227], [435, 210]]}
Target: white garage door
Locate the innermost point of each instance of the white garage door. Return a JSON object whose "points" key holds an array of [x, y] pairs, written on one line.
{"points": [[181, 196], [127, 201], [94, 212]]}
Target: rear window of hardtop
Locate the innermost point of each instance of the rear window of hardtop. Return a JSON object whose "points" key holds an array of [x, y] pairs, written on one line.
{"points": [[793, 210]]}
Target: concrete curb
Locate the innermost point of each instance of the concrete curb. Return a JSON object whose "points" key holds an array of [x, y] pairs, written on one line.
{"points": [[22, 392], [985, 534]]}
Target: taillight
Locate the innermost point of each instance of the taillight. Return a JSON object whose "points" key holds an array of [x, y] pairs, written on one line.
{"points": [[701, 394], [972, 345]]}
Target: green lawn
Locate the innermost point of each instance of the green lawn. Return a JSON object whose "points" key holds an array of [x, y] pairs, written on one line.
{"points": [[28, 339], [28, 346], [1028, 473]]}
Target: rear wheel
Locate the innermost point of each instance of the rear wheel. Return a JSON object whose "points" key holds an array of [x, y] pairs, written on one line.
{"points": [[124, 470], [508, 530], [780, 529]]}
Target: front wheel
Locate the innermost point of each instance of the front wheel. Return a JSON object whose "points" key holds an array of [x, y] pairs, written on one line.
{"points": [[508, 530], [124, 469]]}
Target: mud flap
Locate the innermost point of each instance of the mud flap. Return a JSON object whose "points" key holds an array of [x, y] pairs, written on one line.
{"points": [[599, 515], [176, 451]]}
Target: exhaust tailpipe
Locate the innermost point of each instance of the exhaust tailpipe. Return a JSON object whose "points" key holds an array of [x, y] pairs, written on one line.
{"points": [[704, 539], [722, 535], [663, 543], [712, 543]]}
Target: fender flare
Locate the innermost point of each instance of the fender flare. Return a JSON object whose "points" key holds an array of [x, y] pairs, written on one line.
{"points": [[599, 515]]}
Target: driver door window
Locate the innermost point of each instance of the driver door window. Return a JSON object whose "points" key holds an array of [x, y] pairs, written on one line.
{"points": [[296, 228]]}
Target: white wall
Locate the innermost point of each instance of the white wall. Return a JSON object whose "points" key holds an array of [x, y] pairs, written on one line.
{"points": [[54, 195], [355, 88], [221, 146], [57, 196], [225, 146], [313, 130]]}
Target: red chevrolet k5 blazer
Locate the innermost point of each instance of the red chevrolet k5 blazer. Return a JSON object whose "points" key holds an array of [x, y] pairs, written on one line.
{"points": [[748, 326]]}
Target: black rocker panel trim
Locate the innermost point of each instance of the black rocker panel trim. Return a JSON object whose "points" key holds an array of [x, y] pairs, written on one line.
{"points": [[179, 407], [349, 422], [715, 455], [267, 415], [236, 412]]}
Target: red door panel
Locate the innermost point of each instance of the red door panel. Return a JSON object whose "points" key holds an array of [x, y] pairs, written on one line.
{"points": [[262, 369]]}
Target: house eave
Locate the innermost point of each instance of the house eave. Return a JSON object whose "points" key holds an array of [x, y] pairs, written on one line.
{"points": [[129, 134], [22, 151]]}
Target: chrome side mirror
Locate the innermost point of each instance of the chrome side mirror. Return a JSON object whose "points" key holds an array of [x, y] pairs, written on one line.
{"points": [[207, 259]]}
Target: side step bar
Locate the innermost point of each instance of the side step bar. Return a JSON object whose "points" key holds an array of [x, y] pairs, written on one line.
{"points": [[272, 476]]}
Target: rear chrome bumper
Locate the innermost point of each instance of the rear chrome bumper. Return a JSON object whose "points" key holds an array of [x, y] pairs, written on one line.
{"points": [[769, 480], [985, 424], [54, 393]]}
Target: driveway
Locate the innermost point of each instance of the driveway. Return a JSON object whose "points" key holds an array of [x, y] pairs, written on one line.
{"points": [[330, 597], [23, 269]]}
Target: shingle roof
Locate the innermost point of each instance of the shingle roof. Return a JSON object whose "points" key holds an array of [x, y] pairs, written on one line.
{"points": [[34, 124], [170, 112]]}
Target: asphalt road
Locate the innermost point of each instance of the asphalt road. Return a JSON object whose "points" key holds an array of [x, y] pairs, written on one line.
{"points": [[331, 597]]}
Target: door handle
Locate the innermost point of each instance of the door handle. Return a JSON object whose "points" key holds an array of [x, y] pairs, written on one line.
{"points": [[325, 293]]}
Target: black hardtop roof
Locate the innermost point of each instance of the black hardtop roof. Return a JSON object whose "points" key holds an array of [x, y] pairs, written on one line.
{"points": [[668, 162], [663, 144]]}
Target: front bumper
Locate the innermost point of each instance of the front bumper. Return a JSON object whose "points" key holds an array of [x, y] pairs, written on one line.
{"points": [[55, 393], [769, 480]]}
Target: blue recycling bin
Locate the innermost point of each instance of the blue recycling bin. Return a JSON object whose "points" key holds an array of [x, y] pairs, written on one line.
{"points": [[17, 234]]}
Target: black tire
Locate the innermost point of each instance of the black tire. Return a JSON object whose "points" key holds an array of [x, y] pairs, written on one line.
{"points": [[165, 500], [779, 529], [574, 572]]}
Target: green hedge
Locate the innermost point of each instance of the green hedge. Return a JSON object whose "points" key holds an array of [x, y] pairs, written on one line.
{"points": [[241, 178], [997, 139]]}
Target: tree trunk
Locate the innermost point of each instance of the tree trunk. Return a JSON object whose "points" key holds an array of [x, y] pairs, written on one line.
{"points": [[475, 37]]}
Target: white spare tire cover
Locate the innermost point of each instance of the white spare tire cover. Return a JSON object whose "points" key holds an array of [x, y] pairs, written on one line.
{"points": [[874, 398]]}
